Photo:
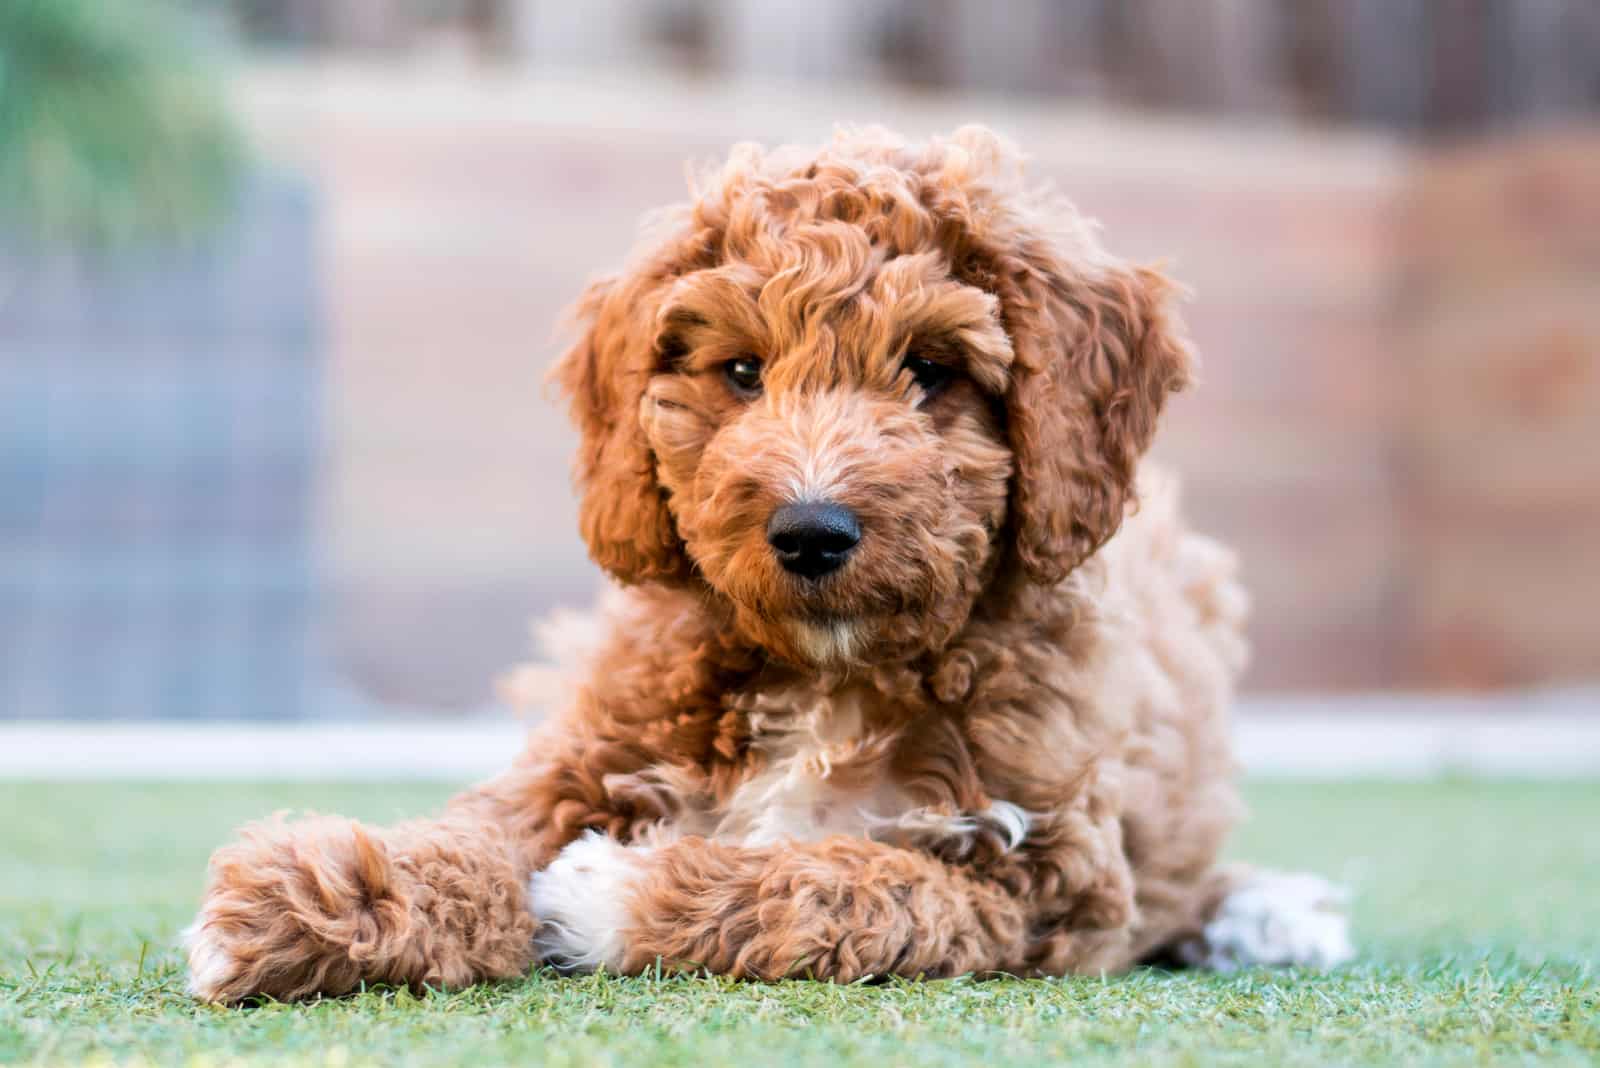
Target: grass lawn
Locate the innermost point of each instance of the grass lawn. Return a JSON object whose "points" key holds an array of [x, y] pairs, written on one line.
{"points": [[1477, 914]]}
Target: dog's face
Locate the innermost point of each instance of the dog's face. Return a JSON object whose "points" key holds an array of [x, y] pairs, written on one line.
{"points": [[845, 390], [828, 428]]}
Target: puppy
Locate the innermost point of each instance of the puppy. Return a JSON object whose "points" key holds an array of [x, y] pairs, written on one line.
{"points": [[915, 669]]}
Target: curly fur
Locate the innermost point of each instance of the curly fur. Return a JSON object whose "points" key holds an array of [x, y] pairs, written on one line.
{"points": [[994, 741]]}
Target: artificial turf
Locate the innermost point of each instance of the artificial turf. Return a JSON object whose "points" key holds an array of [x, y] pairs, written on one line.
{"points": [[1477, 913]]}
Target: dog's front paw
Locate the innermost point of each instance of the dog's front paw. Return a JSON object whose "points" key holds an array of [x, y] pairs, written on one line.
{"points": [[215, 972], [582, 903], [240, 946], [293, 910]]}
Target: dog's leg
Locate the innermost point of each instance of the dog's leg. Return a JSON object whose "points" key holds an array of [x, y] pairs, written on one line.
{"points": [[324, 904], [839, 909]]}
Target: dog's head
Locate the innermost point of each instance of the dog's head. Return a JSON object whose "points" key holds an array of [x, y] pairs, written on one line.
{"points": [[848, 388]]}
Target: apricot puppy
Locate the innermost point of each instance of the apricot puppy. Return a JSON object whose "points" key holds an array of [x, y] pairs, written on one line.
{"points": [[899, 680]]}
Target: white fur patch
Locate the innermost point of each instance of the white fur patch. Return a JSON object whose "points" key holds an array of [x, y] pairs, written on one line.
{"points": [[210, 966], [582, 903], [1012, 821], [956, 835], [1276, 919], [824, 643], [797, 798]]}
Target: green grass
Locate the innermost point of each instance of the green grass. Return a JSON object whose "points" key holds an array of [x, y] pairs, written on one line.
{"points": [[1477, 915]]}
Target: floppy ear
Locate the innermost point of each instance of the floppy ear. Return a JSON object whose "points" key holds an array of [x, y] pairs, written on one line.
{"points": [[1097, 352], [622, 510]]}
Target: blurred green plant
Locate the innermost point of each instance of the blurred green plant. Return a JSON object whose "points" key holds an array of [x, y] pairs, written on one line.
{"points": [[112, 128]]}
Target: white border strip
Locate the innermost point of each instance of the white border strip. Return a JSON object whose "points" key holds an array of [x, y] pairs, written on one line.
{"points": [[1296, 746], [1537, 736], [366, 752], [1552, 733]]}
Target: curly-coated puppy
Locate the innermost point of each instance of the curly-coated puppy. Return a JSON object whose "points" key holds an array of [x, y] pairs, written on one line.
{"points": [[915, 672]]}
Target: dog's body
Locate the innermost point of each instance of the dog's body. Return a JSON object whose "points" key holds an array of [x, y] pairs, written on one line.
{"points": [[916, 672], [1052, 799]]}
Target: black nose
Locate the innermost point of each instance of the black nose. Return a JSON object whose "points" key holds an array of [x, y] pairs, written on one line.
{"points": [[813, 538]]}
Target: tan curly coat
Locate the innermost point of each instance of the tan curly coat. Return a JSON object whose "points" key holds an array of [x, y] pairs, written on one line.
{"points": [[995, 740]]}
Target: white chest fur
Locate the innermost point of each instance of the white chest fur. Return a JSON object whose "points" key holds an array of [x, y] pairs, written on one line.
{"points": [[824, 776], [798, 795]]}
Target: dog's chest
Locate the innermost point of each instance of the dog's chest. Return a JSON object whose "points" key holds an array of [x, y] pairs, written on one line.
{"points": [[820, 773], [823, 771]]}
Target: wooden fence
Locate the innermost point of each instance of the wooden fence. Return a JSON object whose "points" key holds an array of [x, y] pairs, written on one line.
{"points": [[1421, 66]]}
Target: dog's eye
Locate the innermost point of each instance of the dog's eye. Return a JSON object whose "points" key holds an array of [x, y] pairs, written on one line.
{"points": [[744, 373], [931, 375]]}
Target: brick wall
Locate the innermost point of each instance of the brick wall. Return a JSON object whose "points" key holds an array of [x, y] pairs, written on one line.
{"points": [[1416, 65]]}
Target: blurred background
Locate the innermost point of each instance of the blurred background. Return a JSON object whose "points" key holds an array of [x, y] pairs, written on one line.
{"points": [[279, 280]]}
